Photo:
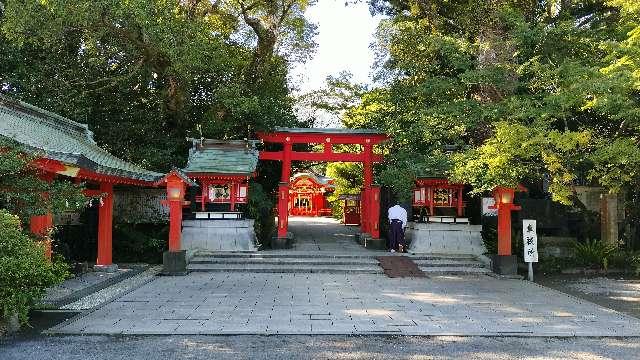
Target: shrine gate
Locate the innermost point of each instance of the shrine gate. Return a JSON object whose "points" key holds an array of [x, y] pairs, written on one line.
{"points": [[365, 138]]}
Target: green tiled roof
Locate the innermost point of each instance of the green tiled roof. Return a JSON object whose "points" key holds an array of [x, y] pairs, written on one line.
{"points": [[328, 131], [320, 179], [64, 140], [222, 157]]}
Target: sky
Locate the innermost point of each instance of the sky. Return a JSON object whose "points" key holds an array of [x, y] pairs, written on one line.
{"points": [[344, 35]]}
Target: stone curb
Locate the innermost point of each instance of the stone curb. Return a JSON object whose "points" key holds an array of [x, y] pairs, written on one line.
{"points": [[56, 329], [77, 295]]}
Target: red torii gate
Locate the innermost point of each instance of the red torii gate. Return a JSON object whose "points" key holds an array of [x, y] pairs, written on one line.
{"points": [[367, 138]]}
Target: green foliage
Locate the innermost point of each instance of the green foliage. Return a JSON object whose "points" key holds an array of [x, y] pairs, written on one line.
{"points": [[625, 260], [593, 253], [23, 188], [490, 239], [140, 242], [260, 208], [25, 272], [348, 179], [160, 70], [499, 93]]}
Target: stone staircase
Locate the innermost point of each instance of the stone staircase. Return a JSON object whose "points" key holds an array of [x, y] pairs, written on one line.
{"points": [[447, 264], [326, 262]]}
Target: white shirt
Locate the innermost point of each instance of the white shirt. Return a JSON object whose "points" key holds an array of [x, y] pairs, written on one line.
{"points": [[397, 212]]}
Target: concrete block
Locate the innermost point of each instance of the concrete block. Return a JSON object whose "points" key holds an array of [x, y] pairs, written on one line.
{"points": [[174, 262]]}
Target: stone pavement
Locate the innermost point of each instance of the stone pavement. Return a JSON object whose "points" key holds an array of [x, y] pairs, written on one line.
{"points": [[249, 303], [324, 234]]}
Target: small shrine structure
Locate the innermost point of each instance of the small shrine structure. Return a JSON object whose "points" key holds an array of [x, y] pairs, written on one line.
{"points": [[436, 199], [350, 209], [222, 169], [308, 194]]}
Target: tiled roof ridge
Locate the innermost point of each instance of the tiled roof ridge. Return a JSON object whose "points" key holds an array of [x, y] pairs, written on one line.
{"points": [[59, 122]]}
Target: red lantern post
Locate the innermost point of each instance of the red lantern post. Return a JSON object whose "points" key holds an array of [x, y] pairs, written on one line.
{"points": [[504, 262], [175, 197], [175, 260]]}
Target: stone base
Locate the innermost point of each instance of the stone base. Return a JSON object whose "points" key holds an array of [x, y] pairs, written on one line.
{"points": [[218, 235], [105, 268], [504, 264], [439, 238], [174, 262], [370, 243], [282, 243]]}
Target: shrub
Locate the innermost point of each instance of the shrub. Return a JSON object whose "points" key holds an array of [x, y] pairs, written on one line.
{"points": [[626, 260], [140, 242], [25, 272], [593, 253], [260, 208]]}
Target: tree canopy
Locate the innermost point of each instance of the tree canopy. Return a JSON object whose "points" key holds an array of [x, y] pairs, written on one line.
{"points": [[495, 93], [145, 74]]}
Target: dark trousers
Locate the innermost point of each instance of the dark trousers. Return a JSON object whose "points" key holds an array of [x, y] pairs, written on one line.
{"points": [[396, 234]]}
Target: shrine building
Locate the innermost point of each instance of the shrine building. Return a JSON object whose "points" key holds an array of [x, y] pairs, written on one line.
{"points": [[308, 194], [222, 170], [65, 149]]}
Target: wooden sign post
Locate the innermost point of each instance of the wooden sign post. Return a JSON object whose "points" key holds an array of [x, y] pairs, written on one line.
{"points": [[530, 238]]}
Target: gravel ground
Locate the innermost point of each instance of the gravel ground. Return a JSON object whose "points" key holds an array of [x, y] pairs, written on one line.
{"points": [[619, 294], [316, 347], [107, 294]]}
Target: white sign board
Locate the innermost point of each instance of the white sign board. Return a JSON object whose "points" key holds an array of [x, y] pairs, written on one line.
{"points": [[530, 238], [487, 202]]}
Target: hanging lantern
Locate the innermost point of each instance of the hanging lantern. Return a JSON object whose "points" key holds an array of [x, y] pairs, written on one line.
{"points": [[503, 195]]}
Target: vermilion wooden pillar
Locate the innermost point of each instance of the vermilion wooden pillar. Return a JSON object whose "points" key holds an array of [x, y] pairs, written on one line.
{"points": [[374, 212], [367, 196], [283, 190], [364, 207], [105, 225], [41, 226], [233, 196], [286, 162], [283, 205], [460, 208]]}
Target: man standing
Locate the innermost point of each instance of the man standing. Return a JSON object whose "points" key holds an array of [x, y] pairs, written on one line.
{"points": [[397, 223]]}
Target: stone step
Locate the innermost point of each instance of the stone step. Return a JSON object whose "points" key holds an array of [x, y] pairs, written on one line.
{"points": [[460, 257], [326, 255], [266, 268], [453, 270], [283, 261], [448, 263], [287, 254]]}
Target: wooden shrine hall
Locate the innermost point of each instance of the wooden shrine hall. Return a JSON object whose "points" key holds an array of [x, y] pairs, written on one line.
{"points": [[308, 194], [66, 149]]}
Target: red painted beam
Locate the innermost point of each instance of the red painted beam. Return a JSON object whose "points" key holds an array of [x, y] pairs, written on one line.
{"points": [[212, 176], [317, 138], [316, 156]]}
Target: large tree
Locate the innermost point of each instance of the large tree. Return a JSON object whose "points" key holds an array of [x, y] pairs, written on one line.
{"points": [[500, 92], [147, 73]]}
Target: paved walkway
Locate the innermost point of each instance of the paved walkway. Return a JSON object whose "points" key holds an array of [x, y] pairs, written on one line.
{"points": [[246, 303], [324, 234]]}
